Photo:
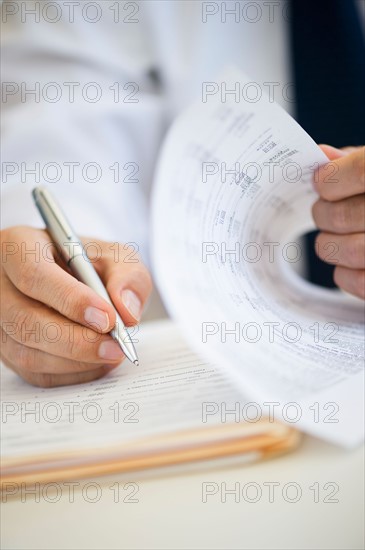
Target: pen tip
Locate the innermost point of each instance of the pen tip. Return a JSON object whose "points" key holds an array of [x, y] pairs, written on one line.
{"points": [[136, 363]]}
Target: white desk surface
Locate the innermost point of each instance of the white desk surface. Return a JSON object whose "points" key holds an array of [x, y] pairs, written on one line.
{"points": [[170, 513]]}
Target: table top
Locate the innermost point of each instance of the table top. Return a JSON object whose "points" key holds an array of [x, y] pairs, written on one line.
{"points": [[310, 498]]}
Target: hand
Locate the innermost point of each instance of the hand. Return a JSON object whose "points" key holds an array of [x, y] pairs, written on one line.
{"points": [[45, 310], [340, 215]]}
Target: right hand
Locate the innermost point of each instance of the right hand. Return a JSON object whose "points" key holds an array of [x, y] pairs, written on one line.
{"points": [[44, 309]]}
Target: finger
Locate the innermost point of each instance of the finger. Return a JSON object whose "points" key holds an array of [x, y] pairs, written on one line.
{"points": [[345, 216], [342, 177], [37, 326], [350, 149], [50, 380], [128, 284], [351, 280], [35, 360], [342, 250], [44, 280], [333, 153]]}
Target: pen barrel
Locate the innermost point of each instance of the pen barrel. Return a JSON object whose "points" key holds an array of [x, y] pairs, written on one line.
{"points": [[76, 258], [57, 225], [81, 269]]}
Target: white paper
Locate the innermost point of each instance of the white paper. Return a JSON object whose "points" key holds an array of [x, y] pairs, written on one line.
{"points": [[164, 395], [309, 346]]}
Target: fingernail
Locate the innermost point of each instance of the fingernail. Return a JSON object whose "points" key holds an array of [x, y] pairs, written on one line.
{"points": [[132, 303], [110, 350], [97, 317]]}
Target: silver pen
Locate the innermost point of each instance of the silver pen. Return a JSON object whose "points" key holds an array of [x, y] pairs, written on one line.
{"points": [[76, 258]]}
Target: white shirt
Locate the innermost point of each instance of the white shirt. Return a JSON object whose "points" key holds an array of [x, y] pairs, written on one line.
{"points": [[185, 42]]}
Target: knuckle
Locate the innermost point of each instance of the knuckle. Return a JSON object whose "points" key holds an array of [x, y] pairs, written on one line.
{"points": [[70, 344], [356, 251], [26, 277], [20, 320], [340, 216], [68, 299]]}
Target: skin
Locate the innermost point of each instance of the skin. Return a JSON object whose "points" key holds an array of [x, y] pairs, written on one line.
{"points": [[40, 292], [339, 213]]}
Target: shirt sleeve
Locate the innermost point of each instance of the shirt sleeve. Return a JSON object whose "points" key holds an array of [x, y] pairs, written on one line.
{"points": [[82, 114]]}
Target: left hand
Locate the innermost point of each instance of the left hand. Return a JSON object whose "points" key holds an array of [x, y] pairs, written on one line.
{"points": [[340, 215]]}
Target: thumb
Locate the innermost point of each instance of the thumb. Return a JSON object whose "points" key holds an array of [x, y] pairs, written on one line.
{"points": [[333, 153], [129, 286]]}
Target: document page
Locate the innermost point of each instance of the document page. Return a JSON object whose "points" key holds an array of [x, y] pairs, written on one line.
{"points": [[233, 194], [172, 390]]}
